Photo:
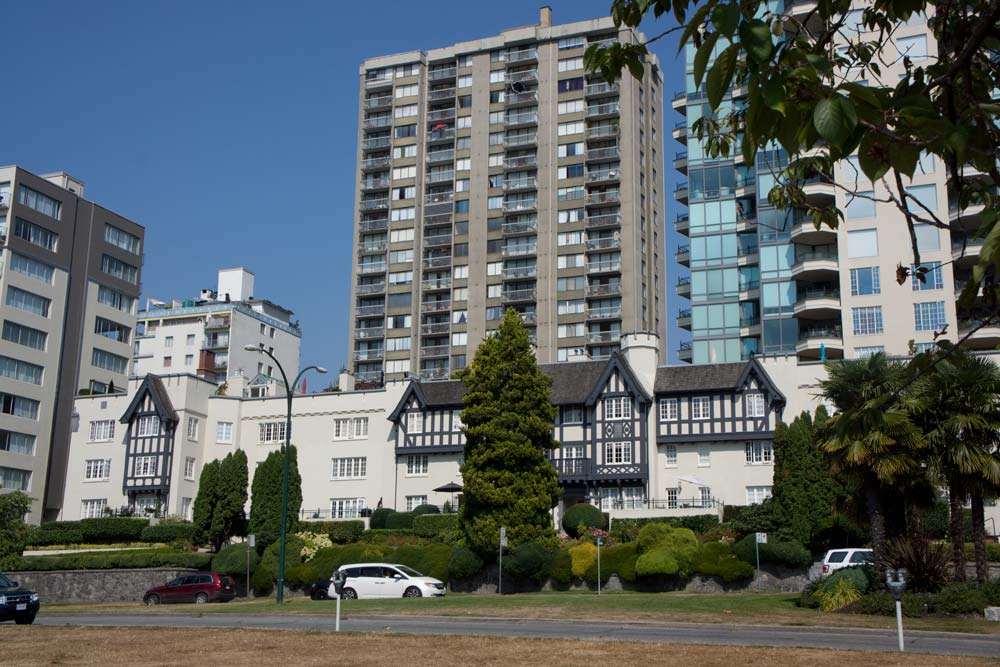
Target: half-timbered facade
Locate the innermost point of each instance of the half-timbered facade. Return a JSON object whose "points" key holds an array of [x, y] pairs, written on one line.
{"points": [[151, 427]]}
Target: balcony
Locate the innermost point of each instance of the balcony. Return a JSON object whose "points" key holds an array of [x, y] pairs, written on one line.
{"points": [[522, 56], [684, 286], [435, 328], [434, 373], [442, 74], [604, 220], [436, 285], [370, 268], [376, 123], [603, 337], [373, 143], [369, 288], [816, 265], [530, 183], [369, 355], [434, 157], [440, 177], [984, 338], [609, 313], [604, 176], [681, 161], [684, 318], [434, 351], [680, 133], [367, 378], [684, 352], [529, 318], [602, 289], [437, 218], [515, 99], [520, 119], [522, 77], [602, 198], [520, 205], [515, 140], [216, 342], [602, 110], [602, 132], [520, 272], [603, 153], [604, 267], [604, 244], [375, 164], [367, 333], [370, 247], [437, 262], [603, 88], [378, 82], [434, 198], [683, 255], [819, 191], [440, 115], [965, 251], [373, 225], [379, 204], [679, 102], [822, 303], [440, 94], [815, 342], [375, 184], [520, 250], [378, 102], [435, 306], [437, 240], [583, 469], [370, 311], [682, 224], [681, 193], [217, 323], [519, 295], [520, 162], [442, 135], [805, 231]]}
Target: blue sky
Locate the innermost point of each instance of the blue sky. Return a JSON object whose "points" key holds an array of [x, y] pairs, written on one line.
{"points": [[228, 129]]}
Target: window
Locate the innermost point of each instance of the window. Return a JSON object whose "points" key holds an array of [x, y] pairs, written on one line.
{"points": [[865, 281], [346, 508], [461, 271], [914, 47], [28, 301], [704, 456], [755, 405], [929, 316], [860, 206], [868, 350], [406, 192], [18, 406], [397, 366], [867, 321], [417, 465], [670, 455], [189, 468], [102, 431], [672, 495], [407, 91], [349, 468], [147, 426], [463, 164], [569, 64], [113, 330], [566, 85], [571, 307], [97, 470], [348, 428], [115, 299], [619, 407], [403, 131], [456, 421], [109, 362], [465, 81], [401, 277], [17, 443], [570, 150], [701, 407], [574, 127], [22, 371], [407, 213], [192, 428], [757, 494], [168, 362], [119, 269], [121, 238], [401, 256], [38, 202], [414, 422], [626, 497], [31, 268], [668, 409], [93, 508], [564, 353], [461, 338], [759, 452], [571, 171], [399, 173], [405, 111], [932, 274], [494, 268], [144, 466], [573, 106], [570, 261], [617, 452], [186, 508], [413, 502], [190, 340], [22, 335], [272, 432], [571, 42], [571, 414], [188, 359], [15, 479], [404, 152], [570, 330], [862, 243], [224, 433], [400, 344], [498, 76]]}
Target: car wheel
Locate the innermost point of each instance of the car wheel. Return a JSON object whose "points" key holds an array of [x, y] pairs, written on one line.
{"points": [[320, 594], [412, 592], [349, 594], [24, 619], [200, 598], [151, 600]]}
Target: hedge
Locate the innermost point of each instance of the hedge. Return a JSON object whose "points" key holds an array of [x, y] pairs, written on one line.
{"points": [[233, 559], [992, 552], [463, 563], [434, 525], [562, 567], [716, 559], [430, 559], [385, 535], [788, 554], [43, 538], [346, 532], [103, 530], [531, 560], [952, 599], [627, 530], [168, 532], [379, 517], [94, 560], [619, 559]]}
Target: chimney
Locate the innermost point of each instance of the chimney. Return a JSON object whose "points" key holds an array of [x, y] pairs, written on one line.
{"points": [[345, 381], [641, 350], [545, 17]]}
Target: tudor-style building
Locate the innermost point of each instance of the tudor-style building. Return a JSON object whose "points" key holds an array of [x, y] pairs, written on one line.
{"points": [[151, 426]]}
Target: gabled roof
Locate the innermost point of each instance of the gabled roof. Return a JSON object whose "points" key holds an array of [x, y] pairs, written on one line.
{"points": [[416, 388], [708, 377], [754, 369], [152, 386], [616, 362]]}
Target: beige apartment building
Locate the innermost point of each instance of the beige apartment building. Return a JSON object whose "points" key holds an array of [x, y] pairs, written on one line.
{"points": [[492, 174], [69, 281]]}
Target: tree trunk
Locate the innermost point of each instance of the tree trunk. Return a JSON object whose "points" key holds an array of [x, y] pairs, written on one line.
{"points": [[914, 522], [956, 530], [979, 538], [876, 521]]}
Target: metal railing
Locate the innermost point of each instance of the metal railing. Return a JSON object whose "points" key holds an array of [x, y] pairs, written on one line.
{"points": [[520, 161], [438, 240], [373, 225], [607, 197], [441, 156], [603, 267], [607, 152], [608, 289], [512, 140], [606, 220], [520, 205], [368, 355], [601, 88], [372, 246], [604, 244], [434, 373], [376, 142], [439, 198], [440, 176], [603, 175], [435, 306], [434, 328], [520, 272], [374, 204], [521, 184], [519, 227], [441, 114], [442, 73], [602, 109], [378, 102], [521, 98], [369, 332], [605, 313], [820, 253], [368, 311], [520, 295], [375, 123], [522, 55], [821, 332], [375, 163], [436, 262], [441, 94], [527, 75], [683, 313], [440, 283], [435, 351], [518, 250], [597, 337], [521, 119], [602, 131], [375, 184], [446, 134], [378, 81], [372, 268]]}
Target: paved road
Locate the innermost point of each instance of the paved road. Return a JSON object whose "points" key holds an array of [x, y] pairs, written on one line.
{"points": [[946, 643]]}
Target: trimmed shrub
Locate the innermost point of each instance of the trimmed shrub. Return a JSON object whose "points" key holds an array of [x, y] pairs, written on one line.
{"points": [[425, 509], [627, 530], [665, 551], [168, 532], [37, 537], [658, 562], [269, 561], [699, 523], [399, 521], [429, 559], [96, 560], [586, 515], [837, 593], [392, 537], [787, 554], [112, 529], [716, 559], [327, 560], [434, 525], [583, 557], [463, 563], [961, 599], [345, 532], [233, 560], [619, 559], [302, 575], [561, 570], [379, 517], [262, 581], [882, 603], [531, 561], [992, 552]]}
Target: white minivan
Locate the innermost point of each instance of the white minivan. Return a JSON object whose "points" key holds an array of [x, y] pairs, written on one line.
{"points": [[838, 559], [385, 580]]}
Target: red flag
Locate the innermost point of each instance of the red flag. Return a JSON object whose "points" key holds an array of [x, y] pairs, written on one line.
{"points": [[303, 385], [438, 127]]}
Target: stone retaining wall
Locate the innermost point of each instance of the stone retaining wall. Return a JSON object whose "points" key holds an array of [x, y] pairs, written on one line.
{"points": [[96, 585]]}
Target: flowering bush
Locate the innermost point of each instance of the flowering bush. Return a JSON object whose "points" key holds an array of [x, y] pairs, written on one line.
{"points": [[594, 533], [313, 542]]}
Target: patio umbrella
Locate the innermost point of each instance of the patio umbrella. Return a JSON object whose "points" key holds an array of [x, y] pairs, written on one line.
{"points": [[452, 488]]}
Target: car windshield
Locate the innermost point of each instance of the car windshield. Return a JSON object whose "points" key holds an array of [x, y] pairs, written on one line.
{"points": [[409, 571], [5, 582]]}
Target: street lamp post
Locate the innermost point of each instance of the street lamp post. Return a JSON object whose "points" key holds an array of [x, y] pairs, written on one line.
{"points": [[289, 390]]}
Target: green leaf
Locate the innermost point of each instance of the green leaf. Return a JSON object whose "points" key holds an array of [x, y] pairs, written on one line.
{"points": [[756, 39], [726, 17], [701, 57], [872, 157], [693, 26], [774, 94], [789, 129], [749, 148], [635, 66], [903, 157], [834, 118], [720, 75]]}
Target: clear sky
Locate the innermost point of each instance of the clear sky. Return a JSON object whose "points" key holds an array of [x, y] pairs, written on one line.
{"points": [[229, 129]]}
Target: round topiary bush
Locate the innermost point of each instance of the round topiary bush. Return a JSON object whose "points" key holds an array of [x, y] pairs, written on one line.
{"points": [[585, 515], [531, 561], [463, 563], [379, 517]]}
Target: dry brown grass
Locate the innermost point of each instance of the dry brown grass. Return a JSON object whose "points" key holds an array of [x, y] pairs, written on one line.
{"points": [[137, 647]]}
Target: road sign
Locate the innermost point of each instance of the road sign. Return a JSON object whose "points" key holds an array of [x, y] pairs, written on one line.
{"points": [[251, 540], [761, 538], [503, 537]]}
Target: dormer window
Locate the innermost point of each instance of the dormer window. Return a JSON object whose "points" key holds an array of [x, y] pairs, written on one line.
{"points": [[755, 406], [414, 422], [147, 426], [619, 407]]}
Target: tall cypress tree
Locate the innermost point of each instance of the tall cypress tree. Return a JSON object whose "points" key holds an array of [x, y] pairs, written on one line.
{"points": [[507, 479], [205, 501], [265, 503], [228, 514]]}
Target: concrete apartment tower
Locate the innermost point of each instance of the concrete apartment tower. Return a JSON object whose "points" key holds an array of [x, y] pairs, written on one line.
{"points": [[492, 174], [69, 281], [206, 336], [767, 281]]}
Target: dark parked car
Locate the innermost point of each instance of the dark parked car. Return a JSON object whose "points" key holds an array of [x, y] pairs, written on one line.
{"points": [[17, 604], [198, 588], [320, 590]]}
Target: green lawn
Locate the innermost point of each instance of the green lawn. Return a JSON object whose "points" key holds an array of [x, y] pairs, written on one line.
{"points": [[739, 608]]}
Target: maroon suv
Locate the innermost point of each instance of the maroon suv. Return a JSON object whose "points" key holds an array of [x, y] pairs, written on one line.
{"points": [[199, 588]]}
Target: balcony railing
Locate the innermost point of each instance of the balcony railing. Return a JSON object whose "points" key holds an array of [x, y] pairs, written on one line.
{"points": [[519, 272], [604, 244], [519, 227], [518, 250], [373, 163], [520, 161], [433, 373], [370, 288], [446, 134], [521, 184], [438, 218], [520, 295], [368, 311], [519, 205], [375, 204], [529, 97], [437, 262], [373, 225], [368, 355], [821, 332], [607, 197], [372, 268], [527, 75], [602, 109], [521, 119], [440, 177], [610, 313], [601, 88], [369, 332], [375, 184], [605, 153], [819, 253], [522, 55], [435, 351], [441, 74], [441, 94], [212, 343], [435, 306], [598, 337], [437, 240], [372, 247], [602, 131], [609, 289], [378, 102], [375, 82], [441, 156], [217, 323], [375, 123], [605, 220], [604, 267], [372, 143], [439, 284], [817, 293], [440, 114], [603, 175], [439, 198], [513, 140]]}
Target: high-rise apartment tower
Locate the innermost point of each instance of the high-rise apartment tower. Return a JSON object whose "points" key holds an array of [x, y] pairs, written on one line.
{"points": [[495, 173]]}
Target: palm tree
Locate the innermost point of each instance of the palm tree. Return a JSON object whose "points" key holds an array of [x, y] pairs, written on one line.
{"points": [[871, 438], [957, 407]]}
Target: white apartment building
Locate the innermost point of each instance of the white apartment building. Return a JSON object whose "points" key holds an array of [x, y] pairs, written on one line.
{"points": [[207, 336]]}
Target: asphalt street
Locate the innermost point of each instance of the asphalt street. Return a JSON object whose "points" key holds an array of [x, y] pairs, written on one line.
{"points": [[944, 643]]}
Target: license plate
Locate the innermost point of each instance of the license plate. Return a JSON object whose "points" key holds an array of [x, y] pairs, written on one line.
{"points": [[22, 606]]}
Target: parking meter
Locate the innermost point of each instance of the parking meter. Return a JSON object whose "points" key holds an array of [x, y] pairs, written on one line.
{"points": [[896, 581], [339, 579]]}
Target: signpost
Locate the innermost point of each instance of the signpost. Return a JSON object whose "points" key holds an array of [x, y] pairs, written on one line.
{"points": [[503, 543], [761, 538], [251, 543], [896, 581], [599, 543]]}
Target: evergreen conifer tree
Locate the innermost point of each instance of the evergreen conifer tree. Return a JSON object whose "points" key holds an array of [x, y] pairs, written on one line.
{"points": [[265, 504], [204, 502], [228, 515]]}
